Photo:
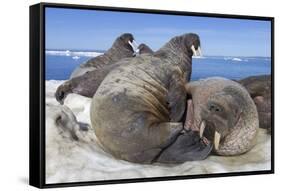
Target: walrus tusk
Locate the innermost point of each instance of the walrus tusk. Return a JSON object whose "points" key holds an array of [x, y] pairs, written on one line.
{"points": [[202, 128], [137, 50], [134, 45], [199, 51], [217, 140], [193, 50], [131, 44]]}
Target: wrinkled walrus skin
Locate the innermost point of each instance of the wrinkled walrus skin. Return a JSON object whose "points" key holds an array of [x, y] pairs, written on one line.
{"points": [[137, 110], [259, 87], [144, 49], [225, 114], [88, 83], [121, 48]]}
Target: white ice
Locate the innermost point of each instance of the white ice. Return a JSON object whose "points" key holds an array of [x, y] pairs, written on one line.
{"points": [[72, 161], [72, 53], [237, 59]]}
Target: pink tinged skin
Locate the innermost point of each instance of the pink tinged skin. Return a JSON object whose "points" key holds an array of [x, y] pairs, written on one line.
{"points": [[241, 138], [189, 116]]}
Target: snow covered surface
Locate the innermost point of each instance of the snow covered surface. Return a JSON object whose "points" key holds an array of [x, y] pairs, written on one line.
{"points": [[73, 161]]}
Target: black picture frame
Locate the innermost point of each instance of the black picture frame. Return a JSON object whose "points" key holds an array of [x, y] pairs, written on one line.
{"points": [[37, 94]]}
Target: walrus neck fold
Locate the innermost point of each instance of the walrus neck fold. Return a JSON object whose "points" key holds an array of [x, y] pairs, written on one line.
{"points": [[240, 140], [175, 52], [243, 136]]}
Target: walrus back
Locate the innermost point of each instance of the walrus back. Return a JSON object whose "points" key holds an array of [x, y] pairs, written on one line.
{"points": [[126, 109]]}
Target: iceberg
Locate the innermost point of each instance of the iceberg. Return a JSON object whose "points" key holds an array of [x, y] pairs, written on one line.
{"points": [[67, 53], [75, 57], [237, 59]]}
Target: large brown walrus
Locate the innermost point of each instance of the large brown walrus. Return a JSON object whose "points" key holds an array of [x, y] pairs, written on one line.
{"points": [[138, 110], [134, 125], [88, 83], [259, 87], [123, 47]]}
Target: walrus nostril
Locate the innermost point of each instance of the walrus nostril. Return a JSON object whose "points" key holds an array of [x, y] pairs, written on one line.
{"points": [[214, 108]]}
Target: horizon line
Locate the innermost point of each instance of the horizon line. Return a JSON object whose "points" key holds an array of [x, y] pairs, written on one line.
{"points": [[94, 50]]}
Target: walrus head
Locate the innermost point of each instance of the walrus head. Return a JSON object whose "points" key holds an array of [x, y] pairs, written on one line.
{"points": [[62, 92], [127, 40], [219, 117], [192, 43], [188, 44], [225, 115], [180, 49], [144, 49]]}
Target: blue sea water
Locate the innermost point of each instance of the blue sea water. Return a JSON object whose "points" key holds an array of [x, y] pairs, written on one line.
{"points": [[60, 66]]}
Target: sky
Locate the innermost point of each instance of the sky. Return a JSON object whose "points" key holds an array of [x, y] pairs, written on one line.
{"points": [[96, 30]]}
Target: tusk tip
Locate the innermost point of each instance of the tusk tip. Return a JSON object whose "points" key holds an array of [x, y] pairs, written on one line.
{"points": [[217, 138]]}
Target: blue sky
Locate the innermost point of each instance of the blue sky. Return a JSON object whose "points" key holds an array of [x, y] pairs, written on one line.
{"points": [[96, 30]]}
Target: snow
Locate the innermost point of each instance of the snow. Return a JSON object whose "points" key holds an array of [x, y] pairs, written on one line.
{"points": [[68, 160]]}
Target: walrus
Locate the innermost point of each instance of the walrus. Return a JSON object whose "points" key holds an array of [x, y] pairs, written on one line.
{"points": [[259, 87], [138, 110], [68, 123], [223, 113], [88, 83], [144, 49], [123, 47], [220, 111]]}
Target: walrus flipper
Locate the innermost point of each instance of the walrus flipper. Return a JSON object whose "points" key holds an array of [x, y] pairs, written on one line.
{"points": [[68, 123], [187, 147]]}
